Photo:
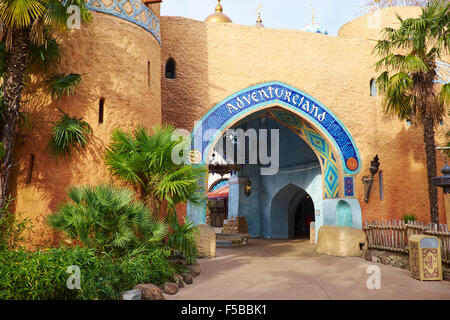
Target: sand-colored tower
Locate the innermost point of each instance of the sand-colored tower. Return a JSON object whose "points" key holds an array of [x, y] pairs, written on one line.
{"points": [[119, 58]]}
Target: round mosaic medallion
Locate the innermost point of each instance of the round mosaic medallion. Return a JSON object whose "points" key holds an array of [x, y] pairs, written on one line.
{"points": [[352, 164]]}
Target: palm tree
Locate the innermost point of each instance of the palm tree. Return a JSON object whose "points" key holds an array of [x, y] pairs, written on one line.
{"points": [[408, 58], [24, 25], [108, 219], [145, 161]]}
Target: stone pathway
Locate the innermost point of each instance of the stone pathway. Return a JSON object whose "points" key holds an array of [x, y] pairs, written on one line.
{"points": [[291, 269]]}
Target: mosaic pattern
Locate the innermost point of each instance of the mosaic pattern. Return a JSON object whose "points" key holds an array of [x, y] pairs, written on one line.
{"points": [[430, 261], [131, 10], [276, 93], [219, 185], [348, 187], [317, 143], [443, 72]]}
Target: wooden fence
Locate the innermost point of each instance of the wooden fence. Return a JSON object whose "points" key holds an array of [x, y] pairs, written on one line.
{"points": [[394, 235]]}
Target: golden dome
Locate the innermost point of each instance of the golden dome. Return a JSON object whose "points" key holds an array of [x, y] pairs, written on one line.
{"points": [[218, 16]]}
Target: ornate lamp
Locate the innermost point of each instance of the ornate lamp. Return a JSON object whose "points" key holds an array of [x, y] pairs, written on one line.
{"points": [[248, 188], [443, 181], [368, 181]]}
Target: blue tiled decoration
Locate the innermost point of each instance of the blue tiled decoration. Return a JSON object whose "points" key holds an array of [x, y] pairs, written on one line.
{"points": [[248, 100], [131, 10], [443, 72], [348, 187]]}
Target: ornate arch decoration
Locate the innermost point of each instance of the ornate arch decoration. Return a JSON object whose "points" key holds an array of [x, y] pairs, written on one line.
{"points": [[133, 11], [316, 124]]}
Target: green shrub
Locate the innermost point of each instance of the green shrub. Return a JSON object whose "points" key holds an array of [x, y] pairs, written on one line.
{"points": [[43, 275], [409, 218], [182, 238], [67, 133], [11, 228], [108, 219]]}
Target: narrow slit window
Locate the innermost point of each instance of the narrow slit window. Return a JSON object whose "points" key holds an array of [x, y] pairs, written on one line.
{"points": [[30, 169], [101, 107], [381, 185], [373, 88], [170, 69], [148, 73]]}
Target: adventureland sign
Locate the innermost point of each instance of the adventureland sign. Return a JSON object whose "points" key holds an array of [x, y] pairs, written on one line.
{"points": [[274, 92]]}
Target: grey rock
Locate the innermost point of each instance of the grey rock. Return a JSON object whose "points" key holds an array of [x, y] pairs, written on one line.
{"points": [[194, 269], [150, 292], [178, 280], [169, 288], [134, 294], [187, 278]]}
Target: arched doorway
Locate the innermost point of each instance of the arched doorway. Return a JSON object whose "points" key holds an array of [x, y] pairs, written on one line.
{"points": [[310, 120], [304, 215]]}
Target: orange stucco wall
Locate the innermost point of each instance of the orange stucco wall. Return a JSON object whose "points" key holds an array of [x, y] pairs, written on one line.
{"points": [[112, 56], [215, 61]]}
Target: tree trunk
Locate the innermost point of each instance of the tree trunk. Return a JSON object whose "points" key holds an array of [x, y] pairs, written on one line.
{"points": [[430, 151], [16, 63]]}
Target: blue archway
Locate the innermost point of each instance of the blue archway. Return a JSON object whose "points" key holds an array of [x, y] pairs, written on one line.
{"points": [[315, 115]]}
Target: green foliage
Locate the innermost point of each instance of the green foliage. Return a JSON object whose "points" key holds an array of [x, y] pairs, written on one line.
{"points": [[43, 274], [2, 59], [409, 218], [182, 238], [145, 161], [407, 77], [108, 219], [67, 133], [61, 84], [11, 228], [45, 54]]}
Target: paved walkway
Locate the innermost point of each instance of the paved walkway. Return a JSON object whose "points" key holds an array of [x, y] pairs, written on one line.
{"points": [[289, 270]]}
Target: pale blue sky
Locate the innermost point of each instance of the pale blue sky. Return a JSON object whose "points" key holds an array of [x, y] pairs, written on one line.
{"points": [[280, 14]]}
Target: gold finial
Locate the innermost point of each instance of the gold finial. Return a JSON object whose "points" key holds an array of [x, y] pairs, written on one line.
{"points": [[219, 7], [218, 16], [258, 13], [313, 13]]}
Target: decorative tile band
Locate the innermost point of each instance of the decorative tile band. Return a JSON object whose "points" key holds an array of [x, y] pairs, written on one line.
{"points": [[256, 97], [130, 10], [443, 72], [349, 190]]}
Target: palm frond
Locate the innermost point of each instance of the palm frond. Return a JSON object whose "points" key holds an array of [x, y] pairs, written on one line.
{"points": [[61, 84], [20, 14], [67, 133]]}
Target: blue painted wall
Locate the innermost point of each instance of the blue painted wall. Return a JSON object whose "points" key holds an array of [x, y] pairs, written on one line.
{"points": [[270, 208]]}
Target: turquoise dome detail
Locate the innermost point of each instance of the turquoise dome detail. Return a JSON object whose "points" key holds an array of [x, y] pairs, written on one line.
{"points": [[315, 28]]}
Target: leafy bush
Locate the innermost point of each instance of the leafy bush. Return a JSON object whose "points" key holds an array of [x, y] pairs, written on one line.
{"points": [[67, 133], [144, 160], [11, 228], [108, 219], [409, 218], [43, 274], [182, 238]]}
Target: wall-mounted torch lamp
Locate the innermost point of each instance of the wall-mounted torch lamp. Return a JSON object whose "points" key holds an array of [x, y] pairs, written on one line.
{"points": [[248, 188], [368, 181]]}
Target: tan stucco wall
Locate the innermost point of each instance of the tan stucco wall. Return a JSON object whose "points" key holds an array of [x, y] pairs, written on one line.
{"points": [[370, 25], [216, 60], [112, 55]]}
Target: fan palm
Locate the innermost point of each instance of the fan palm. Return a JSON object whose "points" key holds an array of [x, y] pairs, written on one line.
{"points": [[408, 81], [108, 219], [145, 161], [24, 25]]}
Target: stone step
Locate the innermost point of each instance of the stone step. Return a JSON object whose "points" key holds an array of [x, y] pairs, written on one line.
{"points": [[224, 243]]}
